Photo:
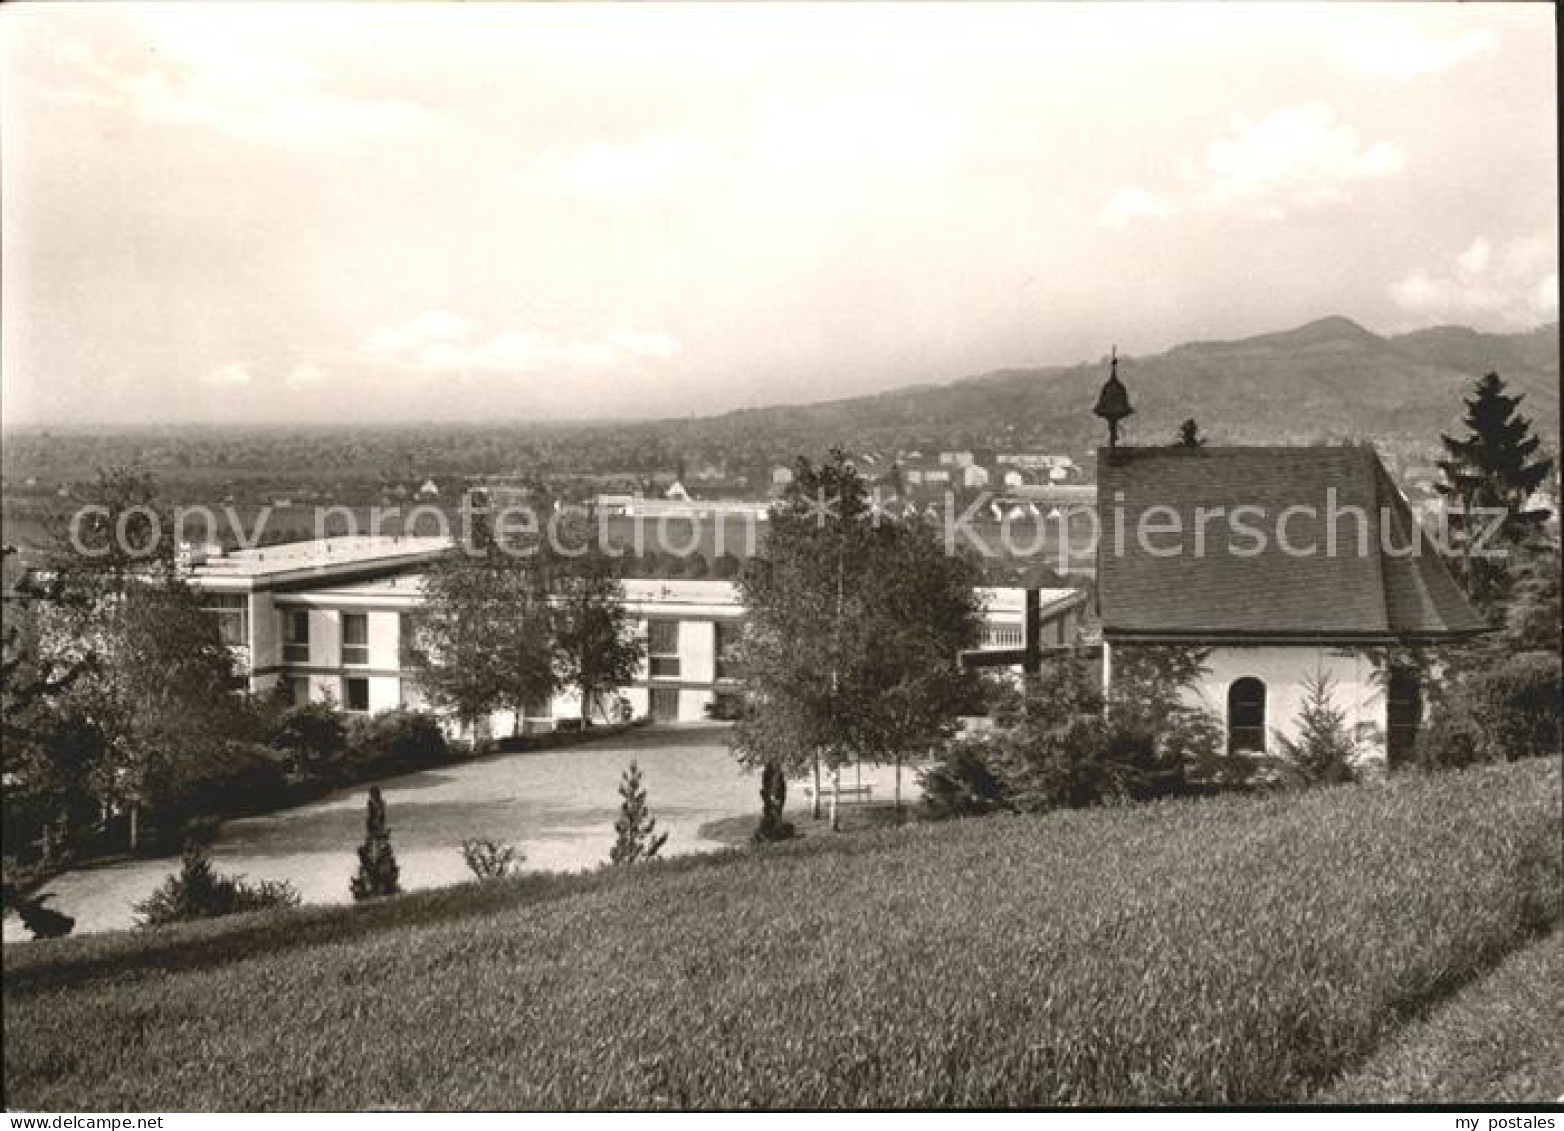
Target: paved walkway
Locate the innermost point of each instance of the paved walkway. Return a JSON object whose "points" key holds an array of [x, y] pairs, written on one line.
{"points": [[558, 807]]}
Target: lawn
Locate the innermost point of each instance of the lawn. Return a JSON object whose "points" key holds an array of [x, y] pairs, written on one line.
{"points": [[853, 818], [1501, 1036], [1228, 950]]}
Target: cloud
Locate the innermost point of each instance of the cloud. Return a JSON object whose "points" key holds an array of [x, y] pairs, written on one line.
{"points": [[234, 375], [1130, 203], [1298, 157], [1401, 54], [780, 151], [304, 375], [1513, 285], [445, 342], [188, 68], [647, 166], [433, 329], [1294, 159]]}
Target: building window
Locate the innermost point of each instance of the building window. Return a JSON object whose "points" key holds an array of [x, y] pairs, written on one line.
{"points": [[728, 635], [232, 613], [355, 694], [1403, 713], [404, 636], [1246, 716], [296, 636], [665, 704], [355, 640], [296, 689], [662, 649]]}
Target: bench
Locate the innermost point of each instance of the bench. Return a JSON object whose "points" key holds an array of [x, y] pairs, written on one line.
{"points": [[845, 792]]}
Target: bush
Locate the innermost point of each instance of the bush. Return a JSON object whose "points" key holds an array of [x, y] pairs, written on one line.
{"points": [[313, 735], [1453, 738], [394, 741], [1059, 748], [227, 777], [961, 783], [1518, 700], [199, 891], [491, 860], [725, 706], [1510, 709], [1198, 741], [43, 922]]}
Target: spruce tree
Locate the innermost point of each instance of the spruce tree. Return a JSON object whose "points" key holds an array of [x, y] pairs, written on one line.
{"points": [[1189, 435], [378, 873], [636, 832], [1324, 750], [1492, 466]]}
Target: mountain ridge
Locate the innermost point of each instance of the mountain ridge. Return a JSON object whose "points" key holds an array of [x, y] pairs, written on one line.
{"points": [[1326, 380]]}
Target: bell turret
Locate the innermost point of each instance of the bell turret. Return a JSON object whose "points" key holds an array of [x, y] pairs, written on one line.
{"points": [[1113, 402]]}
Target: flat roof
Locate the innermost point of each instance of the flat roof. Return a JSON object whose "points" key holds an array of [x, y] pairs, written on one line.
{"points": [[322, 555]]}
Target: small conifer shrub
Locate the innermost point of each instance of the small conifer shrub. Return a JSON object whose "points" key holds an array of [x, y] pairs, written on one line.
{"points": [[636, 832], [378, 874], [200, 891], [1325, 751]]}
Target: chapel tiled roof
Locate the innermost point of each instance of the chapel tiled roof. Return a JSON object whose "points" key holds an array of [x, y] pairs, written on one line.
{"points": [[1277, 570]]}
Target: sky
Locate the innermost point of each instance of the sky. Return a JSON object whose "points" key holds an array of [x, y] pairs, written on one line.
{"points": [[323, 214]]}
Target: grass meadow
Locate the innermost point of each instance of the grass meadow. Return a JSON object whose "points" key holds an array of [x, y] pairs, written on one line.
{"points": [[1217, 951], [1502, 1035]]}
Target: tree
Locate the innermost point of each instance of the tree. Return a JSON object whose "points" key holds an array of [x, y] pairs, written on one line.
{"points": [[157, 684], [1325, 751], [1531, 613], [1050, 747], [773, 796], [1189, 435], [50, 751], [483, 639], [162, 694], [1058, 742], [635, 832], [834, 668], [30, 677], [597, 647], [117, 529], [378, 874], [1492, 466]]}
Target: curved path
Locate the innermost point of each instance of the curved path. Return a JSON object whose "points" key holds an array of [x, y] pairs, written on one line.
{"points": [[558, 807]]}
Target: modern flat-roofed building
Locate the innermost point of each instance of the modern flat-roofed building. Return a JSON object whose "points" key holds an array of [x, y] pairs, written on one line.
{"points": [[330, 620], [299, 611]]}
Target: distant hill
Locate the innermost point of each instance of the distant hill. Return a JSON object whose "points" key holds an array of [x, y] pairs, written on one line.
{"points": [[1327, 380]]}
